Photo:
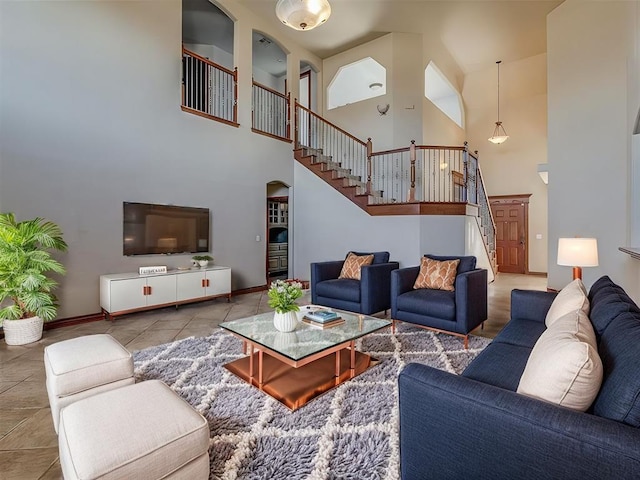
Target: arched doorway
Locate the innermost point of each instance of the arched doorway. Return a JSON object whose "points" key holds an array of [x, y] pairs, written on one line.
{"points": [[278, 225]]}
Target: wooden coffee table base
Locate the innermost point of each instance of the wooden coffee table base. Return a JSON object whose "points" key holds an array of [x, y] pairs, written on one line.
{"points": [[295, 387]]}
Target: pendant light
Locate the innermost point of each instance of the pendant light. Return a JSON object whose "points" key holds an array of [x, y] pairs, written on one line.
{"points": [[303, 14], [499, 134]]}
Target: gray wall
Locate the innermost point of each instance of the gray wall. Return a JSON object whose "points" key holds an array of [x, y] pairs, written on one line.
{"points": [[591, 61], [90, 117]]}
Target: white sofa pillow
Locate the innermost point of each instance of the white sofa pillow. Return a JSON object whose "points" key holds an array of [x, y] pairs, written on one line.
{"points": [[572, 297], [564, 366]]}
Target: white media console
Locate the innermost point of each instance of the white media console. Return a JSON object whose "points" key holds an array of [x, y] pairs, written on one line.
{"points": [[122, 293]]}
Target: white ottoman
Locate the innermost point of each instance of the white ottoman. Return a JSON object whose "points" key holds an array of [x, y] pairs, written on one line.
{"points": [[84, 366], [142, 431]]}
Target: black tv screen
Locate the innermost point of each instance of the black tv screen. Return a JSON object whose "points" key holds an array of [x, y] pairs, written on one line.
{"points": [[150, 229]]}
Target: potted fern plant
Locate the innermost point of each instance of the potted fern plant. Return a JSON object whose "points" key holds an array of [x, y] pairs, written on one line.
{"points": [[25, 287]]}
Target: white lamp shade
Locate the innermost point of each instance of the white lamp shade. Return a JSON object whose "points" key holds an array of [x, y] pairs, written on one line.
{"points": [[303, 14], [578, 252]]}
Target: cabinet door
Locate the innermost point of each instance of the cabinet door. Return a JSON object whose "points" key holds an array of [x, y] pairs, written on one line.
{"points": [[162, 289], [127, 294], [190, 285], [219, 281]]}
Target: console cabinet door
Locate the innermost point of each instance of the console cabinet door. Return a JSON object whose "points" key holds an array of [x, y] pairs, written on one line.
{"points": [[190, 285], [127, 294], [219, 282], [162, 289]]}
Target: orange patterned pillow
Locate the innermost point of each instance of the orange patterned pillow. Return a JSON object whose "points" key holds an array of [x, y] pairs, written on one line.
{"points": [[351, 267], [436, 274]]}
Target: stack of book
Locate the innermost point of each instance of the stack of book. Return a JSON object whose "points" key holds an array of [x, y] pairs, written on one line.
{"points": [[322, 318]]}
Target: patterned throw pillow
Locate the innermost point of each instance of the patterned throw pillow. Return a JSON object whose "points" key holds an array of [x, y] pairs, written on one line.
{"points": [[352, 265], [436, 274]]}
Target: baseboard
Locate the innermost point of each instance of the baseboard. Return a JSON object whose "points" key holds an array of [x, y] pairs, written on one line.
{"points": [[70, 321], [538, 274], [95, 317], [244, 291]]}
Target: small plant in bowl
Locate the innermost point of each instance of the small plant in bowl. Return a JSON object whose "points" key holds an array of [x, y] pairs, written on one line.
{"points": [[202, 260]]}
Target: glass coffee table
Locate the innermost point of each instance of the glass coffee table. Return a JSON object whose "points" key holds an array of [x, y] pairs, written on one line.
{"points": [[298, 366]]}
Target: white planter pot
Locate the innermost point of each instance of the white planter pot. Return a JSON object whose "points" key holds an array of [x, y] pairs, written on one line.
{"points": [[285, 322], [21, 332], [203, 263]]}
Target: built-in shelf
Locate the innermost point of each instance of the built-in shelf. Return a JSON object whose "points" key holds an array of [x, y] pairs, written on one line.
{"points": [[634, 252]]}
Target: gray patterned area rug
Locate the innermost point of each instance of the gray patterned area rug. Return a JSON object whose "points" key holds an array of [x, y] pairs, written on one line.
{"points": [[350, 432]]}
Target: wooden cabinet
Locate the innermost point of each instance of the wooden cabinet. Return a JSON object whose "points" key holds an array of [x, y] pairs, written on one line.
{"points": [[130, 292], [278, 213], [278, 257]]}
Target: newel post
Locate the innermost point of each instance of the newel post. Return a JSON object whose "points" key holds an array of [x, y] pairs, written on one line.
{"points": [[296, 145], [411, 197], [369, 152], [477, 173], [289, 115]]}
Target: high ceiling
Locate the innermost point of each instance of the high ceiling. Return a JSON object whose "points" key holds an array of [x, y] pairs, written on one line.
{"points": [[476, 33]]}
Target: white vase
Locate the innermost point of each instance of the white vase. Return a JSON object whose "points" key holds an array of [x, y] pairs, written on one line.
{"points": [[285, 322], [21, 332], [203, 263], [283, 340]]}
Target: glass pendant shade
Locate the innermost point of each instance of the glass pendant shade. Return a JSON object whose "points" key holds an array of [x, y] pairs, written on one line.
{"points": [[499, 134], [303, 14]]}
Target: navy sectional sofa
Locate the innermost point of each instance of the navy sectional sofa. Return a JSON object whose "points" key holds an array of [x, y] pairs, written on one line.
{"points": [[475, 426]]}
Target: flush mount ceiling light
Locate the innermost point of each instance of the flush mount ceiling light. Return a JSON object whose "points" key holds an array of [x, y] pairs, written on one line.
{"points": [[303, 14], [499, 134]]}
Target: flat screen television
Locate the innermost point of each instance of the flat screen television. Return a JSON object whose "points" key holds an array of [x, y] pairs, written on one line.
{"points": [[150, 229]]}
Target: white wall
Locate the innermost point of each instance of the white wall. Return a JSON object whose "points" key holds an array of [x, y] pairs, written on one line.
{"points": [[213, 53], [511, 168], [90, 117], [590, 47], [437, 128], [362, 119]]}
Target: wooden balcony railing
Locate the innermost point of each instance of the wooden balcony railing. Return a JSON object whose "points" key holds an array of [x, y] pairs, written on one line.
{"points": [[270, 112], [208, 89], [419, 173]]}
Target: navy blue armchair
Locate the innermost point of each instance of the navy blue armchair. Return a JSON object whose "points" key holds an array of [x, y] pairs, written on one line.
{"points": [[368, 295], [456, 312]]}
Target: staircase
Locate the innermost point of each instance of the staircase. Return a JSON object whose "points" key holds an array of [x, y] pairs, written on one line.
{"points": [[351, 186], [407, 181]]}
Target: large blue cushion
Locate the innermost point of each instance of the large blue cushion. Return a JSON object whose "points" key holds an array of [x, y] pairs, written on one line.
{"points": [[428, 302], [466, 263], [608, 300], [340, 288], [500, 364], [523, 333], [619, 348], [378, 257]]}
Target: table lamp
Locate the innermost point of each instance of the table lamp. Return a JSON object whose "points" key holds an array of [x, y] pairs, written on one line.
{"points": [[578, 253]]}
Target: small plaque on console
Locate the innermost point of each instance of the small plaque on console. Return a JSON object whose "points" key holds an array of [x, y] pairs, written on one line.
{"points": [[149, 270]]}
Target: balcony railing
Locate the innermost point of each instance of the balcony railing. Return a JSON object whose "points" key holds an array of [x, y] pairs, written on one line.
{"points": [[270, 112], [208, 89], [419, 174]]}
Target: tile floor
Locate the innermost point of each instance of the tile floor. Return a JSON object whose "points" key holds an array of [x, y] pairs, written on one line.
{"points": [[28, 443]]}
